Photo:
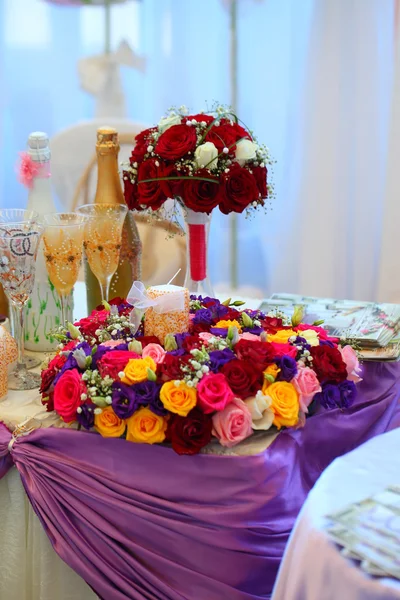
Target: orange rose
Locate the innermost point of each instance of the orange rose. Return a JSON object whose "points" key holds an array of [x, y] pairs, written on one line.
{"points": [[108, 424], [285, 403], [145, 427], [179, 399]]}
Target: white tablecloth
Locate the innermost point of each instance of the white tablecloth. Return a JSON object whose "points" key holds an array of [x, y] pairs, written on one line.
{"points": [[312, 567]]}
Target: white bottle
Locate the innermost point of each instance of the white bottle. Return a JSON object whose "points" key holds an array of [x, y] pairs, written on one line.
{"points": [[43, 313]]}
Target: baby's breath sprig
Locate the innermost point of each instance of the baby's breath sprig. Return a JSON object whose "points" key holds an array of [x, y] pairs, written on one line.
{"points": [[196, 368]]}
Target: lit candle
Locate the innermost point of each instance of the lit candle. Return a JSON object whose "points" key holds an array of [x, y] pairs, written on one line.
{"points": [[175, 320]]}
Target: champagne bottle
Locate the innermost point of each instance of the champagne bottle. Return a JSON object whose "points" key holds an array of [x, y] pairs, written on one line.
{"points": [[109, 191], [43, 312]]}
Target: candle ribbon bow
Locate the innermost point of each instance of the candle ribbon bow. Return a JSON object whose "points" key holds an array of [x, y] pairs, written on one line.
{"points": [[173, 301]]}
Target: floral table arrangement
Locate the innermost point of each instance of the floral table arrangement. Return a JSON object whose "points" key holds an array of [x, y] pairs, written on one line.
{"points": [[232, 373], [203, 161]]}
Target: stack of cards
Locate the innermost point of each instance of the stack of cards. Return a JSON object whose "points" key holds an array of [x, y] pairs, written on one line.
{"points": [[369, 531], [375, 327]]}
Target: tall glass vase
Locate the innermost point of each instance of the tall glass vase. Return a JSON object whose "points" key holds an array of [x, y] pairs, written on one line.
{"points": [[197, 279]]}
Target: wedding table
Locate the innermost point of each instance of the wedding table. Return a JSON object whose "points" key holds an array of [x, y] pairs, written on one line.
{"points": [[140, 522], [313, 567]]}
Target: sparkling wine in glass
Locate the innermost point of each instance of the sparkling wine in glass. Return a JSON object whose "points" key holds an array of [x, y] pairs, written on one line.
{"points": [[15, 216], [102, 240], [19, 244], [63, 247]]}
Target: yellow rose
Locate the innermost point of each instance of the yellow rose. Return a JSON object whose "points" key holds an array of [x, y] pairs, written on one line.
{"points": [[311, 336], [273, 371], [226, 324], [179, 399], [108, 424], [282, 336], [285, 403], [136, 370], [145, 427]]}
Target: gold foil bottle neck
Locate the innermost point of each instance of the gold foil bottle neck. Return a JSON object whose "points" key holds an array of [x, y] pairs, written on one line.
{"points": [[107, 140]]}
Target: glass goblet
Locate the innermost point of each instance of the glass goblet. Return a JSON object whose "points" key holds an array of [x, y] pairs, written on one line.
{"points": [[102, 240], [10, 217], [63, 248], [18, 250]]}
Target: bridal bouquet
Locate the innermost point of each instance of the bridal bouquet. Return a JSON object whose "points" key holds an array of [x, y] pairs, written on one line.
{"points": [[204, 161], [233, 373]]}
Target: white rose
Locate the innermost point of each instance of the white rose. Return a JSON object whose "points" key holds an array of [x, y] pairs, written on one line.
{"points": [[245, 150], [167, 122], [261, 413], [206, 156]]}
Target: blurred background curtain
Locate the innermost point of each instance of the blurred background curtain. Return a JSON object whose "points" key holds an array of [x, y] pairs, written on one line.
{"points": [[315, 82]]}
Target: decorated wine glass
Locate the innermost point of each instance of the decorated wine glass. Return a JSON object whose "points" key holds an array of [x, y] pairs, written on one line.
{"points": [[102, 240], [15, 216], [19, 245], [63, 247]]}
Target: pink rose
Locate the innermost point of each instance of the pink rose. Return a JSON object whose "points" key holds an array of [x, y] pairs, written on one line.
{"points": [[350, 359], [284, 349], [233, 424], [307, 384], [206, 336], [213, 393], [249, 336], [67, 394], [155, 351]]}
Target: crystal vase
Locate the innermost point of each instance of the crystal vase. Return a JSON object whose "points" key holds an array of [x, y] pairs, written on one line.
{"points": [[197, 279]]}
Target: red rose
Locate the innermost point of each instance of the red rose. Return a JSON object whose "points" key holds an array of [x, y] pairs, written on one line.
{"points": [[201, 196], [239, 189], [94, 321], [328, 364], [176, 141], [47, 376], [58, 361], [170, 368], [260, 354], [243, 378], [115, 361], [188, 435], [172, 188], [225, 135], [67, 394], [150, 193], [131, 193], [191, 342], [196, 328], [260, 175], [232, 314], [142, 140], [48, 401], [271, 324]]}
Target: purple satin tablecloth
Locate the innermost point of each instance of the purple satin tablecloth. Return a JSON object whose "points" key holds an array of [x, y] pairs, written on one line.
{"points": [[141, 522]]}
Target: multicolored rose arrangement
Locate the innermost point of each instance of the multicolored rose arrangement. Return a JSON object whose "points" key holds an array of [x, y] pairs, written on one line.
{"points": [[233, 373], [203, 161]]}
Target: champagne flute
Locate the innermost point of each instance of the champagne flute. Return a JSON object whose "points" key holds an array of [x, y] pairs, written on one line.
{"points": [[16, 216], [19, 244], [102, 240], [63, 247]]}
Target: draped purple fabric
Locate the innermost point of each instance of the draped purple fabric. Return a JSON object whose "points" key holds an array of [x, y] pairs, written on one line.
{"points": [[141, 522]]}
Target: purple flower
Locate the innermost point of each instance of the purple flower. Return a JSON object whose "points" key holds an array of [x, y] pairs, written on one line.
{"points": [[219, 311], [300, 341], [223, 332], [203, 315], [288, 367], [255, 330], [180, 337], [86, 416], [148, 392], [124, 400], [219, 357], [178, 352], [329, 397], [348, 392]]}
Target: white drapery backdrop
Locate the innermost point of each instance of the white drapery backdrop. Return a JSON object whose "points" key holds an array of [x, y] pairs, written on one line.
{"points": [[315, 83]]}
